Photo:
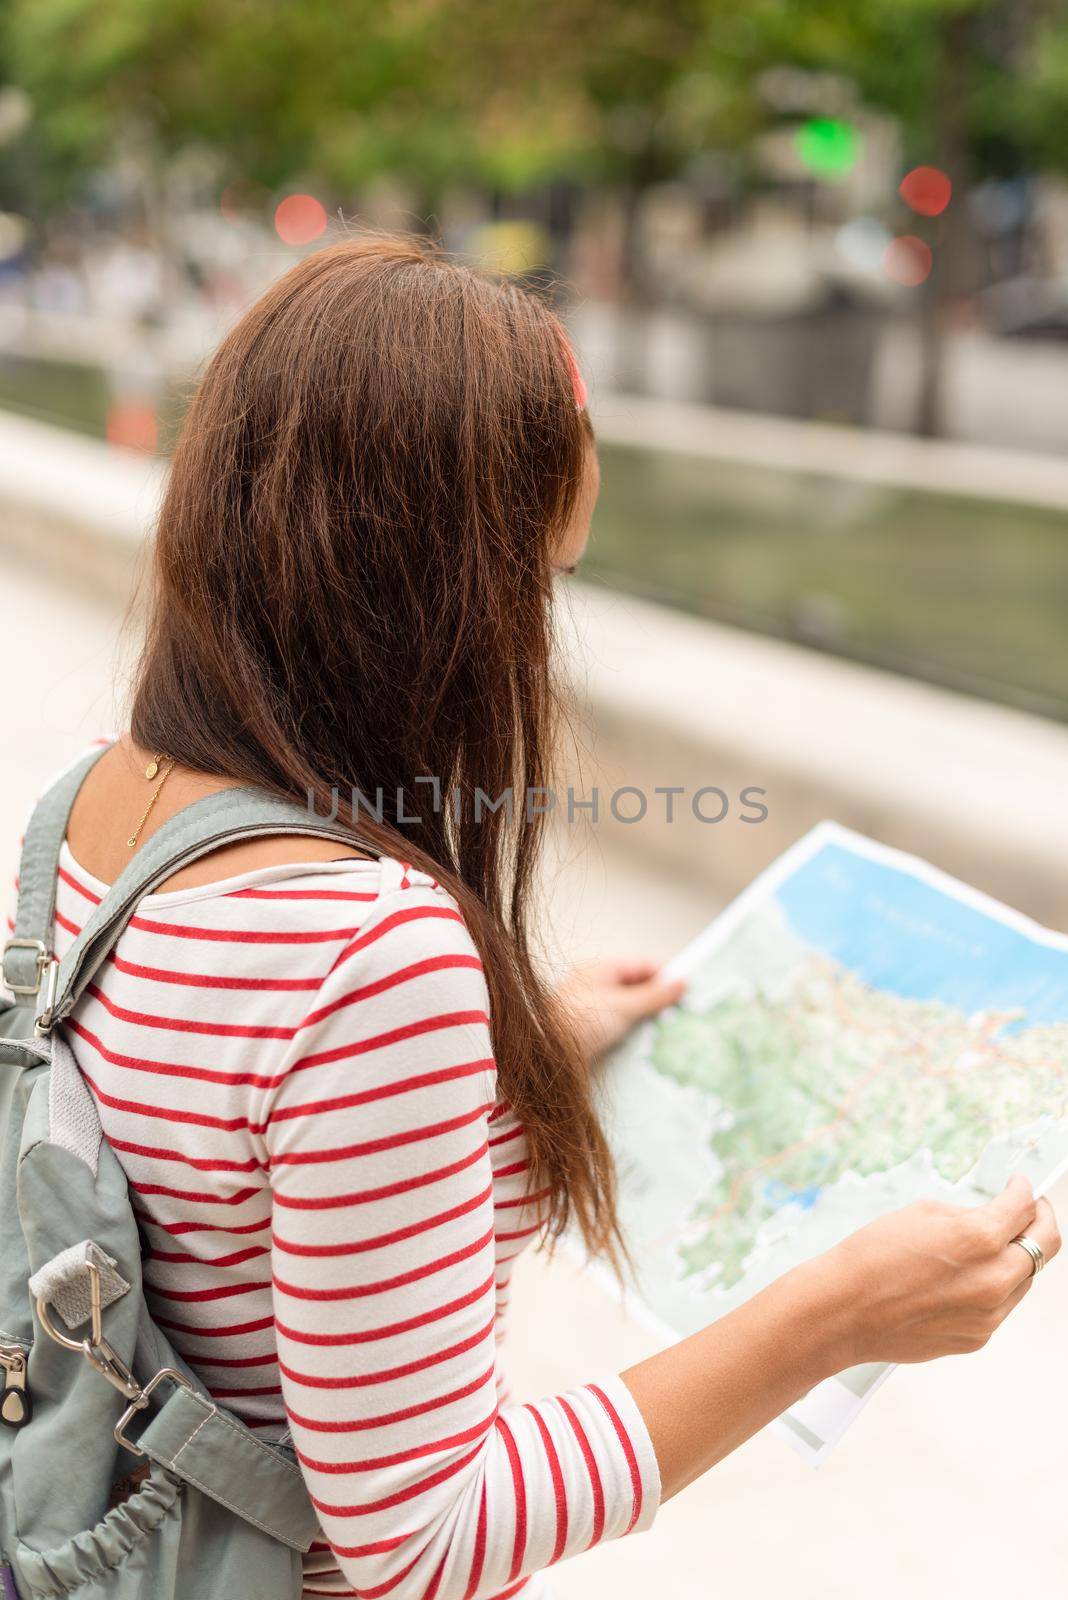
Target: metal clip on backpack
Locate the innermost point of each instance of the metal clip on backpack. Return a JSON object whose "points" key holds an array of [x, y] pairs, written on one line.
{"points": [[92, 1389]]}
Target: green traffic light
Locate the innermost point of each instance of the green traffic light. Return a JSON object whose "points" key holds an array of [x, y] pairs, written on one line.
{"points": [[828, 148]]}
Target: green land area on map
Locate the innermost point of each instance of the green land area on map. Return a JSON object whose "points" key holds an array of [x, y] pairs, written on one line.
{"points": [[810, 1075]]}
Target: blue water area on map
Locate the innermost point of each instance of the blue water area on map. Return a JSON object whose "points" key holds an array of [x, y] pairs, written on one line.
{"points": [[775, 1193], [898, 933]]}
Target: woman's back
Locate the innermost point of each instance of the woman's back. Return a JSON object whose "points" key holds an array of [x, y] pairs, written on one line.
{"points": [[294, 1067], [194, 1041]]}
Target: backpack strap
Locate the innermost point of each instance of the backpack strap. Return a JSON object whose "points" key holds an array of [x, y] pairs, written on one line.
{"points": [[197, 829], [210, 1449], [188, 1434], [28, 952]]}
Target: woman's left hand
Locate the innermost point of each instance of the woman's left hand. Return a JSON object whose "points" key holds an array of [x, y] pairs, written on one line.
{"points": [[606, 998]]}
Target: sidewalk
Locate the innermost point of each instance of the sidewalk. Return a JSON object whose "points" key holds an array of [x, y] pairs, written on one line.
{"points": [[951, 1484]]}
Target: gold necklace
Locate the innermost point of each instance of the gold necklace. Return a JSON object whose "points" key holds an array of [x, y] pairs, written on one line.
{"points": [[151, 771]]}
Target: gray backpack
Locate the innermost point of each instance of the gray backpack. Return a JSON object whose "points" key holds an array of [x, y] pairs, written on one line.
{"points": [[93, 1393]]}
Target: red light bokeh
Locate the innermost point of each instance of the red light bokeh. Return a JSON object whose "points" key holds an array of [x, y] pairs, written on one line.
{"points": [[299, 219], [927, 190], [908, 261], [132, 425]]}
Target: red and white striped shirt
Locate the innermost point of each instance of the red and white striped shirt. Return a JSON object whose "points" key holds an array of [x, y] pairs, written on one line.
{"points": [[294, 1068]]}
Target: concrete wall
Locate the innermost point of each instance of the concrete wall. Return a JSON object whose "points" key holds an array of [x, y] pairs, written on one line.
{"points": [[672, 700], [75, 507]]}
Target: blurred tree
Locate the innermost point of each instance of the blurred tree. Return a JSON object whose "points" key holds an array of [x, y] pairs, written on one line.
{"points": [[439, 92], [621, 93], [979, 87], [632, 91], [263, 81]]}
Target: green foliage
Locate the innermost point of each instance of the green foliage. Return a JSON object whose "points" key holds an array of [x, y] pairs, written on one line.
{"points": [[444, 91], [996, 69], [434, 90]]}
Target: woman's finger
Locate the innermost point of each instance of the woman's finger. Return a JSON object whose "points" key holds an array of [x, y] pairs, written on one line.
{"points": [[1050, 1233], [1015, 1297], [1014, 1208], [1044, 1230], [630, 972], [1045, 1233], [645, 999]]}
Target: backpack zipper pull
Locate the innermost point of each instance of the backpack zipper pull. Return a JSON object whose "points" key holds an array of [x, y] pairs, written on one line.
{"points": [[16, 1402]]}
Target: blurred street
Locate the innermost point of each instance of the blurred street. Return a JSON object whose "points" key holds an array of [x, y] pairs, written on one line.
{"points": [[951, 1483]]}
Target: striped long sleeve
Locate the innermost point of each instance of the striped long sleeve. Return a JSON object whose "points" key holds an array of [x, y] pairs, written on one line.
{"points": [[400, 1195]]}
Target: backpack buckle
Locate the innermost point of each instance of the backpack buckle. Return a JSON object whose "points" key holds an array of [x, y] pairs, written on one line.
{"points": [[103, 1357], [46, 1005], [43, 955], [139, 1401], [96, 1349]]}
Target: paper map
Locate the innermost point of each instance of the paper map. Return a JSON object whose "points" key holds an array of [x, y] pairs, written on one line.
{"points": [[859, 1031]]}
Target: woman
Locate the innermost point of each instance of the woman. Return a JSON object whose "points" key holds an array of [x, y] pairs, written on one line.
{"points": [[343, 1096]]}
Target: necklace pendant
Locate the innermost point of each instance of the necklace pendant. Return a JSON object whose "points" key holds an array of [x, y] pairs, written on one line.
{"points": [[132, 841], [151, 769]]}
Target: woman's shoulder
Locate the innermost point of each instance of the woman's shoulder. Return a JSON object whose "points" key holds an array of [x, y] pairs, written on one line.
{"points": [[286, 946], [401, 979], [237, 864], [412, 926], [378, 915], [294, 893]]}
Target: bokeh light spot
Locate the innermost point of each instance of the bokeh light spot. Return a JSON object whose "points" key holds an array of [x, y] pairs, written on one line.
{"points": [[927, 190], [828, 148], [132, 424], [299, 219], [908, 261], [863, 243]]}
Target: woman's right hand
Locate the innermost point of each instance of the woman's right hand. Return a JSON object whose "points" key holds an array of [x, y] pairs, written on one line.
{"points": [[929, 1280], [934, 1280]]}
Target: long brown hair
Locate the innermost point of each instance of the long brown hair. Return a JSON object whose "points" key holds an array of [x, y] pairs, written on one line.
{"points": [[352, 590]]}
